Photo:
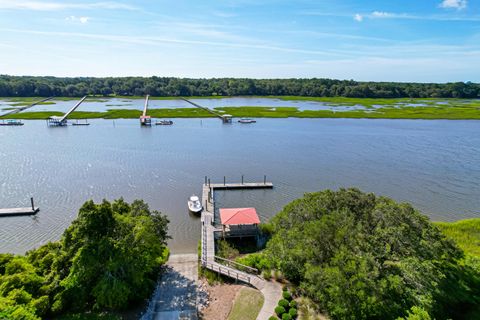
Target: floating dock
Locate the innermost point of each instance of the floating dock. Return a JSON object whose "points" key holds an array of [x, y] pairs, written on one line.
{"points": [[11, 123], [12, 212]]}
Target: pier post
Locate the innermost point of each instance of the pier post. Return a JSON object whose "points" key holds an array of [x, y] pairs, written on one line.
{"points": [[224, 180], [264, 179], [209, 182], [31, 201], [205, 179], [242, 178]]}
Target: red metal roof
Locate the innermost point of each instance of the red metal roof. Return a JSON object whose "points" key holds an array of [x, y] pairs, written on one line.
{"points": [[233, 216]]}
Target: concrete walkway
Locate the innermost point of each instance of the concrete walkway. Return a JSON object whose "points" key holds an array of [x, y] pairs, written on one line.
{"points": [[175, 296], [272, 292]]}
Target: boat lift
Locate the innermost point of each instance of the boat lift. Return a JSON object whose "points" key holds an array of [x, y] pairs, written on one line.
{"points": [[144, 119], [55, 121]]}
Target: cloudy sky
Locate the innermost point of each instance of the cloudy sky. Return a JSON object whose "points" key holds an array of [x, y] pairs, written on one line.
{"points": [[395, 40]]}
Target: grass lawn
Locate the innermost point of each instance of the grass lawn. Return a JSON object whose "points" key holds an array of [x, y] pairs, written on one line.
{"points": [[247, 305]]}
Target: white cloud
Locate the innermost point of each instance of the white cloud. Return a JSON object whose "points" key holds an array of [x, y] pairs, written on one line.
{"points": [[55, 6], [454, 4], [82, 20], [358, 17], [381, 14]]}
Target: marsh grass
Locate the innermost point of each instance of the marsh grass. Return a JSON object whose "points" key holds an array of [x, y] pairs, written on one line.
{"points": [[452, 109], [466, 233]]}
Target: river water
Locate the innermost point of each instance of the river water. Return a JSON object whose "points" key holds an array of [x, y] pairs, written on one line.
{"points": [[435, 165]]}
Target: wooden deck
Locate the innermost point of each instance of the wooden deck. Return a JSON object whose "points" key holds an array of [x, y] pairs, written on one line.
{"points": [[246, 185], [11, 212], [208, 232]]}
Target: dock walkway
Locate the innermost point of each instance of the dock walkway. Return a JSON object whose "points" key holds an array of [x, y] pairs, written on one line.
{"points": [[26, 211], [271, 290], [226, 118], [11, 212]]}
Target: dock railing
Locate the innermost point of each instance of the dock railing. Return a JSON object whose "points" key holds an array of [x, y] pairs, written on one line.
{"points": [[237, 265]]}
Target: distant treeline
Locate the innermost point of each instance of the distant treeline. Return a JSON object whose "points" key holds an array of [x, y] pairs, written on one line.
{"points": [[15, 86]]}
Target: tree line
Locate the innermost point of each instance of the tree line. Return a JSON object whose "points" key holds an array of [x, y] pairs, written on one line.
{"points": [[28, 86]]}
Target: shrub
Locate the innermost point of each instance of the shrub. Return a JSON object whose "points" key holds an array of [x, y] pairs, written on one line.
{"points": [[286, 316], [283, 303], [267, 274], [292, 312], [293, 304], [279, 310], [287, 296]]}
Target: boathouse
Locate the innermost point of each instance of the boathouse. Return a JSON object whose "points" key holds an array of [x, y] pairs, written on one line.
{"points": [[239, 222]]}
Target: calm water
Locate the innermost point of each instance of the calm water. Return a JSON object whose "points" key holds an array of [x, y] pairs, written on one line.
{"points": [[435, 165]]}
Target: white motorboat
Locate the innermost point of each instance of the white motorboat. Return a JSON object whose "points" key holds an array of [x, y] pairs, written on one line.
{"points": [[246, 120], [194, 204]]}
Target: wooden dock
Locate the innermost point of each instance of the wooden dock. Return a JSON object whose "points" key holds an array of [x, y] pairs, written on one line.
{"points": [[17, 110], [12, 212], [27, 211], [246, 185], [208, 257], [226, 118]]}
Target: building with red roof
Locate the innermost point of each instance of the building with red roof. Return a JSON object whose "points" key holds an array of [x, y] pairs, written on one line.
{"points": [[239, 222]]}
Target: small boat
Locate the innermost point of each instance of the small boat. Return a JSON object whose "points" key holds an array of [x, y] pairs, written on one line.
{"points": [[194, 204], [164, 123], [245, 120], [11, 123]]}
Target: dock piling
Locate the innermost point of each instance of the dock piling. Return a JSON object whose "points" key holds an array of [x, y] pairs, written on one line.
{"points": [[264, 179], [242, 178], [224, 180], [205, 179], [31, 201]]}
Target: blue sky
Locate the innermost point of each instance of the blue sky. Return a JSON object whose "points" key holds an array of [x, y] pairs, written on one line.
{"points": [[394, 40]]}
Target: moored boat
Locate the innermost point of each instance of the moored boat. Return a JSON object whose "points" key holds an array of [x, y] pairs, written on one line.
{"points": [[194, 204], [246, 120], [164, 123]]}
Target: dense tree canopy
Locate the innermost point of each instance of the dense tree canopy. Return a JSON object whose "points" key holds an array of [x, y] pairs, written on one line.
{"points": [[14, 86], [109, 257], [359, 256]]}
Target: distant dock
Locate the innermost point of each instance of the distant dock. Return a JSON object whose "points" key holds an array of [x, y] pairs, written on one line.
{"points": [[226, 118], [27, 211]]}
